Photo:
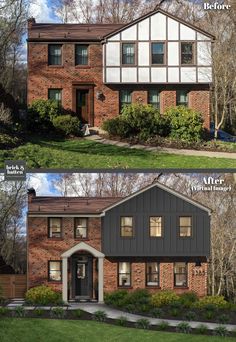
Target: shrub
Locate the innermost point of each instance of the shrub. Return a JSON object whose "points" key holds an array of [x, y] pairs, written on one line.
{"points": [[130, 308], [122, 321], [223, 319], [7, 141], [4, 311], [117, 126], [115, 298], [201, 329], [164, 298], [100, 315], [184, 328], [216, 301], [19, 311], [77, 313], [67, 125], [188, 298], [137, 297], [142, 323], [190, 316], [42, 295], [163, 325], [209, 314], [42, 112], [185, 123], [174, 312], [5, 116], [221, 331], [38, 312], [156, 312], [57, 313]]}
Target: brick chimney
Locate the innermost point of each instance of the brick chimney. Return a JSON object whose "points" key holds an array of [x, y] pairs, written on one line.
{"points": [[31, 194], [31, 22]]}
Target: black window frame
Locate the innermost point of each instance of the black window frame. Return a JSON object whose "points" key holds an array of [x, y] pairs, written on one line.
{"points": [[155, 104], [181, 273], [158, 54], [125, 56], [191, 227], [162, 226], [125, 236], [119, 273], [75, 228], [79, 57], [49, 271], [182, 53], [178, 94], [49, 228], [148, 274], [55, 89], [51, 56]]}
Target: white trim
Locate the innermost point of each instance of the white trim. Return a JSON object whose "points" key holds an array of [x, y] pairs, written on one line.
{"points": [[163, 187], [85, 247]]}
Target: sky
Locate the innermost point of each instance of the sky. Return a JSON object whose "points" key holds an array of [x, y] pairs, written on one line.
{"points": [[42, 11]]}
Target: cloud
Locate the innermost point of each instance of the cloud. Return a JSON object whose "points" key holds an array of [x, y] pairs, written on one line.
{"points": [[41, 11], [42, 184]]}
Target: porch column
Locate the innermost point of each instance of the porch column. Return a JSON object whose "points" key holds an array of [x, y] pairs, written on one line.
{"points": [[100, 279], [64, 279]]}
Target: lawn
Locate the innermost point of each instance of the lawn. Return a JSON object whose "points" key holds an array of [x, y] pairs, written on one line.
{"points": [[81, 153], [46, 330]]}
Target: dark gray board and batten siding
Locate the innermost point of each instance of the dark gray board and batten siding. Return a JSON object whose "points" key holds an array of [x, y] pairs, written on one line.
{"points": [[156, 202]]}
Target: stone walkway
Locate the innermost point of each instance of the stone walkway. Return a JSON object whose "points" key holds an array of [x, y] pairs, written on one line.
{"points": [[185, 152], [114, 314]]}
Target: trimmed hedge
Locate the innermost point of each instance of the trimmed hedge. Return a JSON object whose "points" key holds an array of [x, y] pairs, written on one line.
{"points": [[163, 298], [212, 301], [43, 295], [67, 124]]}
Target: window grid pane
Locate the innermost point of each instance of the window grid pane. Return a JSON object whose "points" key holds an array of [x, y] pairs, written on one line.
{"points": [[124, 274], [54, 94], [125, 97], [158, 52], [54, 227], [81, 225], [185, 226], [156, 226], [186, 53], [180, 274], [126, 226], [81, 57], [182, 98], [152, 275], [55, 270], [54, 54], [128, 54], [154, 98]]}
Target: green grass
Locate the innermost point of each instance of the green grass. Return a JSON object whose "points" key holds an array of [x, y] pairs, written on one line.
{"points": [[81, 153], [43, 330]]}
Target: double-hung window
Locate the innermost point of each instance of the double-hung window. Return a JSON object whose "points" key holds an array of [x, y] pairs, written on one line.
{"points": [[187, 53], [128, 53], [154, 98], [81, 55], [124, 274], [55, 94], [152, 274], [81, 228], [180, 274], [54, 270], [54, 227], [185, 226], [182, 98], [54, 54], [126, 226], [125, 97], [158, 53], [155, 226]]}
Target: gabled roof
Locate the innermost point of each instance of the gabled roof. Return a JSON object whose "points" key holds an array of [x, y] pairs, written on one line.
{"points": [[165, 188], [159, 10]]}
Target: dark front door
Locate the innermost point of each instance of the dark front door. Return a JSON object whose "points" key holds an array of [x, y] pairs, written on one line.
{"points": [[83, 277], [82, 105]]}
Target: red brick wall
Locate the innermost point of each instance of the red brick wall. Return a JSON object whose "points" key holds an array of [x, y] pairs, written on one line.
{"points": [[41, 77]]}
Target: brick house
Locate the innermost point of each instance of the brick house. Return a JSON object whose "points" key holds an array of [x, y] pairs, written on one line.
{"points": [[155, 238], [93, 69]]}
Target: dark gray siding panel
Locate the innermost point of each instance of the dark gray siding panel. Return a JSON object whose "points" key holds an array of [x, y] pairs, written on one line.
{"points": [[156, 202]]}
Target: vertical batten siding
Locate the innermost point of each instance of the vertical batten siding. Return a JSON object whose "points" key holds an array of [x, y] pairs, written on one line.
{"points": [[156, 202]]}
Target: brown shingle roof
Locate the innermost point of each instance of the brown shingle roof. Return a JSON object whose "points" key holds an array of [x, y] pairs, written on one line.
{"points": [[67, 32], [70, 205]]}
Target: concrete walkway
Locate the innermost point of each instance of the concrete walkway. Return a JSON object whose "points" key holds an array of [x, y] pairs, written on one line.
{"points": [[185, 152]]}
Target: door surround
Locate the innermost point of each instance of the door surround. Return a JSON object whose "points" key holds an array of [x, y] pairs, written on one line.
{"points": [[90, 88], [82, 246]]}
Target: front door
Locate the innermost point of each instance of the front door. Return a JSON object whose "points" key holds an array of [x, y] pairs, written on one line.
{"points": [[83, 277], [82, 105]]}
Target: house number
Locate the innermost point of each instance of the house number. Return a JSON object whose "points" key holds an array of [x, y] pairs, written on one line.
{"points": [[198, 272]]}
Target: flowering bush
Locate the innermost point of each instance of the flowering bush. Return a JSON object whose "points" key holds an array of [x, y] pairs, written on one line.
{"points": [[43, 295]]}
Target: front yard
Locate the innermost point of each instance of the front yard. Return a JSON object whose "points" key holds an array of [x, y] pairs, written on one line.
{"points": [[45, 330], [81, 153]]}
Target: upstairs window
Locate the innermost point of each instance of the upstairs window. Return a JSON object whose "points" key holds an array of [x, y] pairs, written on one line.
{"points": [[185, 226], [54, 54], [154, 98], [180, 274], [55, 94], [126, 228], [182, 98], [156, 226], [54, 270], [81, 228], [125, 97], [124, 274], [81, 55], [152, 274], [54, 227], [187, 53], [158, 53], [128, 53]]}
